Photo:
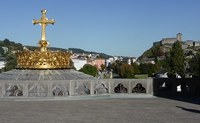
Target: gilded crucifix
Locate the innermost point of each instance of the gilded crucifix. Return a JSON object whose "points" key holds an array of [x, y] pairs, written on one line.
{"points": [[44, 21]]}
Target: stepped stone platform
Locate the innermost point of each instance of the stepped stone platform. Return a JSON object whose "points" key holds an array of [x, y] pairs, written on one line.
{"points": [[39, 75], [66, 83]]}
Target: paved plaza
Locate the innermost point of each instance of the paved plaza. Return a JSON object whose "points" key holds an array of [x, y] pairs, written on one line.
{"points": [[104, 110]]}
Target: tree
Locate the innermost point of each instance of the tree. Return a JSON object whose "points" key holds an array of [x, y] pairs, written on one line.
{"points": [[194, 64], [136, 68], [6, 42], [103, 67], [177, 60], [89, 69], [1, 51], [148, 68], [116, 66], [11, 61], [126, 71], [157, 51]]}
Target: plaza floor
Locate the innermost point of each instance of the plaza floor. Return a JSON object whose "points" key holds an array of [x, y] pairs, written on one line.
{"points": [[105, 110]]}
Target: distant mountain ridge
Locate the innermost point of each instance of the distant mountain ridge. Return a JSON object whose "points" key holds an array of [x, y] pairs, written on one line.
{"points": [[74, 50], [12, 45], [77, 50]]}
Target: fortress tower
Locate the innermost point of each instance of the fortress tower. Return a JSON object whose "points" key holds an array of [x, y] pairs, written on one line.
{"points": [[179, 37]]}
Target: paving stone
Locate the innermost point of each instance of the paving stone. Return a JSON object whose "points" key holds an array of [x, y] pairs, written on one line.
{"points": [[107, 110]]}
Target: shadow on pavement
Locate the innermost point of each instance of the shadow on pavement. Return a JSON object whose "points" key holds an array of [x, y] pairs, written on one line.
{"points": [[188, 99], [188, 109]]}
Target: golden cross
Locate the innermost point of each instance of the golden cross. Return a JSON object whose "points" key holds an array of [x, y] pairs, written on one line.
{"points": [[44, 21]]}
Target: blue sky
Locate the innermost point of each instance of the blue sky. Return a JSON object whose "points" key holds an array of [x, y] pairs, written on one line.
{"points": [[114, 27]]}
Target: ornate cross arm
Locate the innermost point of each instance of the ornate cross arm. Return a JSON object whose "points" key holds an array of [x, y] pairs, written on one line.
{"points": [[52, 21]]}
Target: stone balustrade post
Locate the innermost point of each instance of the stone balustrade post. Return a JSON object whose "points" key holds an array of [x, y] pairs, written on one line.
{"points": [[25, 89], [91, 88]]}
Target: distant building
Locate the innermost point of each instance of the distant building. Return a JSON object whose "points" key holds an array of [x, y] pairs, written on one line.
{"points": [[162, 74], [2, 62], [171, 40], [189, 43], [5, 49], [196, 43], [148, 60], [79, 63], [109, 61], [131, 60], [91, 62], [99, 61]]}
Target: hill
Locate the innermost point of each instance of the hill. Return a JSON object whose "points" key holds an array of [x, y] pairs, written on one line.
{"points": [[77, 50], [161, 50], [74, 50], [13, 46], [51, 48]]}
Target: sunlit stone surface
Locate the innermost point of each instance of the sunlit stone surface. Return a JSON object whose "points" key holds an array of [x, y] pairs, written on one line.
{"points": [[65, 74]]}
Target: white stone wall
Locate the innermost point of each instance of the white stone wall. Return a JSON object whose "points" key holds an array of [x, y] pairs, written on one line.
{"points": [[2, 64], [79, 63]]}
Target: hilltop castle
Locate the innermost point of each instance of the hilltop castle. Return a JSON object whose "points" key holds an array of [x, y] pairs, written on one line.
{"points": [[170, 41]]}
